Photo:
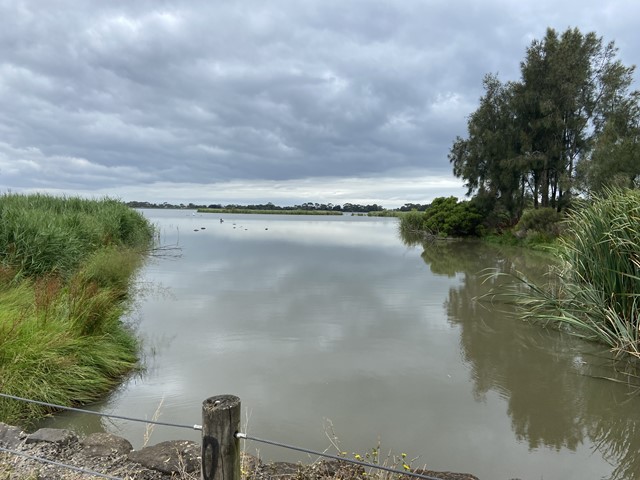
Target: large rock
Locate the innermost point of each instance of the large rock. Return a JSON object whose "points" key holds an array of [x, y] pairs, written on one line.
{"points": [[59, 436], [10, 437], [104, 445], [175, 456]]}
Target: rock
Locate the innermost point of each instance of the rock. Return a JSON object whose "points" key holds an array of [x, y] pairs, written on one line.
{"points": [[10, 437], [105, 444], [175, 456], [442, 475], [59, 436]]}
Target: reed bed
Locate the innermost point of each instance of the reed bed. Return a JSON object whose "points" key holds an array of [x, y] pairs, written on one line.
{"points": [[595, 291], [66, 271]]}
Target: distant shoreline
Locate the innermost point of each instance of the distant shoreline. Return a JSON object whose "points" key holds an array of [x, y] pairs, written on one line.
{"points": [[269, 212]]}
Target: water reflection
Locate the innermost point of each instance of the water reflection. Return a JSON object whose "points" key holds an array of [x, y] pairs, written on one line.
{"points": [[546, 377], [334, 318]]}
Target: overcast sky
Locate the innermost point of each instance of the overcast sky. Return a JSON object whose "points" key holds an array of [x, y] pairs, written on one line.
{"points": [[221, 101]]}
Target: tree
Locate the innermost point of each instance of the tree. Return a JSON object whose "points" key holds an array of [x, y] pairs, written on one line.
{"points": [[570, 112], [487, 160], [615, 160]]}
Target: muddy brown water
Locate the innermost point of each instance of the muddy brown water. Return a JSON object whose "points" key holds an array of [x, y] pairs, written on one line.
{"points": [[332, 331]]}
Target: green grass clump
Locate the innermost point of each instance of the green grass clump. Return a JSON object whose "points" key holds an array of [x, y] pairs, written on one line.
{"points": [[66, 270], [595, 293], [41, 234]]}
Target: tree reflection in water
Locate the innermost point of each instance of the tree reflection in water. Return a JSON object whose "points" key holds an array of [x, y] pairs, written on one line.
{"points": [[547, 378]]}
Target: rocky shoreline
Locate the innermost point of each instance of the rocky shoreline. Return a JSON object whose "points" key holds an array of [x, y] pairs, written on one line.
{"points": [[115, 457]]}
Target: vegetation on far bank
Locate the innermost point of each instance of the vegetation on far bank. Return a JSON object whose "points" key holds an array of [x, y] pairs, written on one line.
{"points": [[266, 207], [66, 271], [268, 212]]}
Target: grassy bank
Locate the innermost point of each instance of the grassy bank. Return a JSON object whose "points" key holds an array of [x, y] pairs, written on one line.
{"points": [[268, 212], [66, 267], [595, 293]]}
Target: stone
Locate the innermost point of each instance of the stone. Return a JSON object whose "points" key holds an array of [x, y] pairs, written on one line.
{"points": [[103, 444], [175, 456], [441, 475], [10, 436], [58, 436]]}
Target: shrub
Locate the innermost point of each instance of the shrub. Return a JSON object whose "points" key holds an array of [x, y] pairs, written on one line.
{"points": [[446, 217], [543, 223]]}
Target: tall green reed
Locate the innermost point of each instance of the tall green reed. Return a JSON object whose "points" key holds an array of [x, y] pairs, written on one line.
{"points": [[594, 291], [66, 272], [42, 234]]}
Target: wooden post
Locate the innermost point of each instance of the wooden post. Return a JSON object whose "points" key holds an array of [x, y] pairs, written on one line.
{"points": [[220, 447]]}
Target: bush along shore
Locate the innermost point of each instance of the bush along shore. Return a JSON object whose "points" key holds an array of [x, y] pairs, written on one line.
{"points": [[593, 288], [66, 272]]}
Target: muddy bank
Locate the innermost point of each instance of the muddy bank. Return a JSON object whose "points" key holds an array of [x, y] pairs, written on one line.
{"points": [[178, 459]]}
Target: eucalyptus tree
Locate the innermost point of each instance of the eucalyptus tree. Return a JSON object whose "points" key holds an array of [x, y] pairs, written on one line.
{"points": [[570, 111]]}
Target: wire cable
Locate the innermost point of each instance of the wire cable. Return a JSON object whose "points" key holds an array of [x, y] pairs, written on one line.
{"points": [[100, 414], [238, 435], [58, 464], [244, 436]]}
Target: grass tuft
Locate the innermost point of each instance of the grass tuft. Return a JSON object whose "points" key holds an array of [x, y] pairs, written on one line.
{"points": [[66, 270]]}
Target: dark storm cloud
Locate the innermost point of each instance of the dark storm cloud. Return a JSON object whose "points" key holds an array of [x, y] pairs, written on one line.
{"points": [[118, 95]]}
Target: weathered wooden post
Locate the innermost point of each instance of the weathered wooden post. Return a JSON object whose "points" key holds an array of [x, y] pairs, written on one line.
{"points": [[220, 447]]}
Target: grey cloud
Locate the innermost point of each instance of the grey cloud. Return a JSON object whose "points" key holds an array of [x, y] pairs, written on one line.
{"points": [[197, 92]]}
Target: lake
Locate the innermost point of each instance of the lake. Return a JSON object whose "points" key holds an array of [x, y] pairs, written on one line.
{"points": [[332, 330]]}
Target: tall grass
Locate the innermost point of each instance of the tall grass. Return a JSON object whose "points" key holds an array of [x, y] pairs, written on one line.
{"points": [[66, 270], [595, 292], [412, 222], [41, 234]]}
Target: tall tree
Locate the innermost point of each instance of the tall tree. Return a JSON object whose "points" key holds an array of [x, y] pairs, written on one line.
{"points": [[571, 105], [486, 158]]}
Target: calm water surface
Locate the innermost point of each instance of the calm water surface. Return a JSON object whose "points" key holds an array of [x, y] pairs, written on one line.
{"points": [[332, 324]]}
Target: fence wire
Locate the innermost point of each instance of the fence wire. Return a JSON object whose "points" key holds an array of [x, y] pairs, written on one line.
{"points": [[238, 435], [59, 464], [100, 414], [244, 436]]}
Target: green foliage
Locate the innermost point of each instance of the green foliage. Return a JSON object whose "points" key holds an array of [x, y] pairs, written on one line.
{"points": [[269, 212], [47, 352], [446, 217], [570, 111], [596, 291], [41, 234], [66, 272], [540, 225], [412, 222], [615, 161]]}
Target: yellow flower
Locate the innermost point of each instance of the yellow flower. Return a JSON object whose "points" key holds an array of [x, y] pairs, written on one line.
{"points": [[405, 466], [357, 456]]}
